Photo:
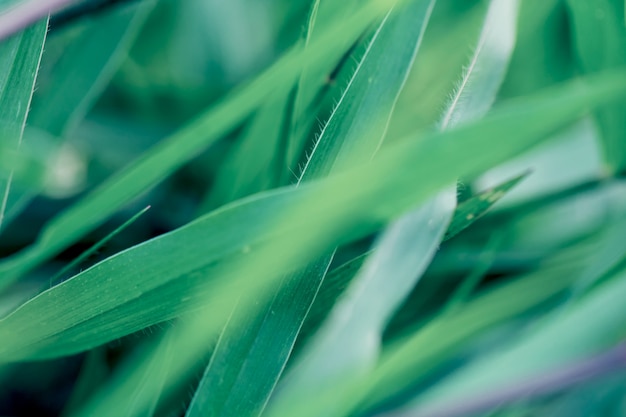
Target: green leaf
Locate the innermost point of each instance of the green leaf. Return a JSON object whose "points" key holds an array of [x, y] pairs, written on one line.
{"points": [[19, 62], [338, 279], [89, 61], [470, 210], [600, 44], [312, 78], [173, 152], [268, 234], [258, 347]]}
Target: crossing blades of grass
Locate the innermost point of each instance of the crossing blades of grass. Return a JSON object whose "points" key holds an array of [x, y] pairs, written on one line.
{"points": [[600, 44], [337, 279], [257, 348], [174, 151], [319, 216], [19, 62], [158, 279], [411, 358], [348, 343]]}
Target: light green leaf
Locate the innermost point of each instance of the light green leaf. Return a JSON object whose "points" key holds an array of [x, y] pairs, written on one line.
{"points": [[412, 357]]}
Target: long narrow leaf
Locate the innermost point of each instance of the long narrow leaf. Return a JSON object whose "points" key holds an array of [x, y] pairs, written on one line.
{"points": [[19, 62]]}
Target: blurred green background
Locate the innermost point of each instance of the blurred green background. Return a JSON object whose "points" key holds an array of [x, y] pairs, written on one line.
{"points": [[116, 80]]}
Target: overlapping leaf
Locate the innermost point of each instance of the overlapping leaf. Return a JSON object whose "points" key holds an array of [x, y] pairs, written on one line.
{"points": [[159, 278]]}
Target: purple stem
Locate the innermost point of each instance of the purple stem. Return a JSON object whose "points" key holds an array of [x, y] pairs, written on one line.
{"points": [[25, 13], [554, 381]]}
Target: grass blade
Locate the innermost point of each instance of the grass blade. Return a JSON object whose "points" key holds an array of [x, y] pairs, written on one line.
{"points": [[85, 68], [312, 78], [20, 56], [80, 75], [470, 210]]}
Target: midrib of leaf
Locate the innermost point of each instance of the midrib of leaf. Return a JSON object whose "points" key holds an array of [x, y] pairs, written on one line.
{"points": [[348, 343], [260, 345], [24, 52]]}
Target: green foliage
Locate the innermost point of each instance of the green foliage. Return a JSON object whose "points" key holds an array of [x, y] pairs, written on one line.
{"points": [[341, 220]]}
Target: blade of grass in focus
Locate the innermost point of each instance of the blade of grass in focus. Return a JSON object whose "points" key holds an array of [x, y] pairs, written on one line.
{"points": [[19, 62], [313, 77], [348, 343]]}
